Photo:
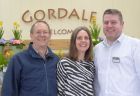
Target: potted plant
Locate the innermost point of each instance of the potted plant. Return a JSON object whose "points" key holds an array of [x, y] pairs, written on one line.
{"points": [[2, 40], [95, 31], [4, 59], [16, 42], [3, 62]]}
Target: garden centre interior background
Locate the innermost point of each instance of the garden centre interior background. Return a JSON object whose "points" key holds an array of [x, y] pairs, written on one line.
{"points": [[65, 15]]}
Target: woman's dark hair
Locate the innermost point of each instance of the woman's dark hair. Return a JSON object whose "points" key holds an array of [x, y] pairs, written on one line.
{"points": [[73, 52]]}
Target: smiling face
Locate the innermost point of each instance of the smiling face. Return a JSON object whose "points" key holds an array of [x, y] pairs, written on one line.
{"points": [[112, 26], [40, 34], [82, 41], [81, 47]]}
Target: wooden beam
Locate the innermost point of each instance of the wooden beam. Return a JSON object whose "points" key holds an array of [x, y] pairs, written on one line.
{"points": [[55, 44]]}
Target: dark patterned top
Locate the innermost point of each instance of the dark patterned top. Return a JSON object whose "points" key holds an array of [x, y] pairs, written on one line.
{"points": [[75, 78]]}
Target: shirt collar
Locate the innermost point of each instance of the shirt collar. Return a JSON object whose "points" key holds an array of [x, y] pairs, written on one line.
{"points": [[119, 40], [38, 52], [34, 53]]}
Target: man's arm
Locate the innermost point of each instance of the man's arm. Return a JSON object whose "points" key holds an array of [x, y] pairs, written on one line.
{"points": [[11, 80]]}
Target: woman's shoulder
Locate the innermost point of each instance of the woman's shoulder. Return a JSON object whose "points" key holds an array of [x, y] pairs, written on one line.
{"points": [[67, 61], [64, 59]]}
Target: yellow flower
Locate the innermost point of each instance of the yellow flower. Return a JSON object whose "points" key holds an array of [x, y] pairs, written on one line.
{"points": [[8, 53], [1, 29], [93, 20], [16, 24], [16, 31], [1, 23]]}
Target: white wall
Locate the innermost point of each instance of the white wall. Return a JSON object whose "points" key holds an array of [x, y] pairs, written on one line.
{"points": [[12, 10], [131, 12]]}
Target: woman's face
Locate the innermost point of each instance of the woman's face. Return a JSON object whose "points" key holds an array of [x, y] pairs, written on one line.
{"points": [[82, 41]]}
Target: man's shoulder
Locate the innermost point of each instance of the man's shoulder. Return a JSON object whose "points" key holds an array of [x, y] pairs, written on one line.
{"points": [[133, 40], [23, 52], [99, 44]]}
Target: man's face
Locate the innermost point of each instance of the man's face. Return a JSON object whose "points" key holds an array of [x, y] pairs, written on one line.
{"points": [[40, 35], [112, 26]]}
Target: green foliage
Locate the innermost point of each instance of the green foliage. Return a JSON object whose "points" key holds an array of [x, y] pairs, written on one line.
{"points": [[17, 34], [18, 46], [16, 31], [1, 32], [1, 29], [95, 31], [3, 61]]}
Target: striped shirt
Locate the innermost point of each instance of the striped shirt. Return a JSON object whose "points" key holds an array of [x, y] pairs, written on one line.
{"points": [[75, 78]]}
